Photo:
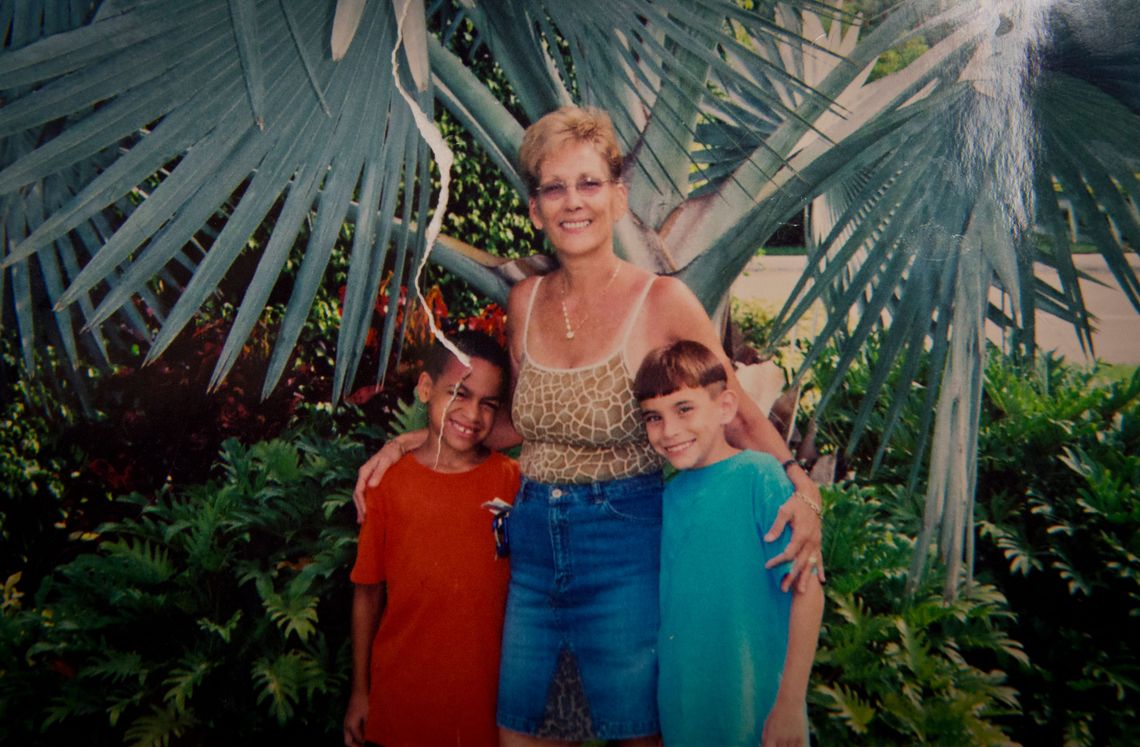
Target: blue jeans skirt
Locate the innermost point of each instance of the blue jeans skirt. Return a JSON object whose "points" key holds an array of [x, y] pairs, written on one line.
{"points": [[585, 561]]}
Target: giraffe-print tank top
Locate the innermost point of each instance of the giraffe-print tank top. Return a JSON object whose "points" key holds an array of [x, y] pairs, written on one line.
{"points": [[581, 425]]}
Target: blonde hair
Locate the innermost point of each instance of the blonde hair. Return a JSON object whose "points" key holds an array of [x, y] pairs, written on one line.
{"points": [[570, 124]]}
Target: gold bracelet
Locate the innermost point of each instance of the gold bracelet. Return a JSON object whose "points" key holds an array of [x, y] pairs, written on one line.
{"points": [[810, 503]]}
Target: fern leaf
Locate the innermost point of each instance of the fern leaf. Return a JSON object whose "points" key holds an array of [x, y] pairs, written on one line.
{"points": [[116, 666], [409, 416], [281, 681], [183, 679], [224, 631], [844, 703], [292, 611], [140, 560], [280, 460], [159, 728]]}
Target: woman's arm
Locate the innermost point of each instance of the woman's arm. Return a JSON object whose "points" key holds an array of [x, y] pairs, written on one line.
{"points": [[372, 471], [676, 314], [752, 430]]}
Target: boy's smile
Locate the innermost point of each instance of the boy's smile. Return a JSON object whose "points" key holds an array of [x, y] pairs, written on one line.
{"points": [[687, 426], [461, 404]]}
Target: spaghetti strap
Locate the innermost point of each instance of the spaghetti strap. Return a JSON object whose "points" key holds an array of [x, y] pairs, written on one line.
{"points": [[633, 314], [529, 311]]}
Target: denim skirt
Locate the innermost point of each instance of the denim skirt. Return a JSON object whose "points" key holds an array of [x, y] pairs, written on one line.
{"points": [[585, 561]]}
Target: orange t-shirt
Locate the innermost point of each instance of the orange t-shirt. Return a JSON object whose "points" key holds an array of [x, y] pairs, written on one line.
{"points": [[435, 657]]}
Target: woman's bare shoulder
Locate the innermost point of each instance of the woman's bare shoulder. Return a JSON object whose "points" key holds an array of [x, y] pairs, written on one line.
{"points": [[670, 293], [520, 292], [518, 301]]}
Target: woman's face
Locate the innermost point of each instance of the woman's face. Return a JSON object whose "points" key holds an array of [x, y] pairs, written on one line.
{"points": [[576, 202]]}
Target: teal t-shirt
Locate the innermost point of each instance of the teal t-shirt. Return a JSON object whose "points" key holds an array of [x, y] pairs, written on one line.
{"points": [[724, 619]]}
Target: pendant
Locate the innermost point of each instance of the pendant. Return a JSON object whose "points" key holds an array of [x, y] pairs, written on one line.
{"points": [[566, 321]]}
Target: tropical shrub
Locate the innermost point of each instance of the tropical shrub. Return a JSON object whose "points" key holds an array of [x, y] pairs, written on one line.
{"points": [[218, 612], [1058, 530], [46, 494], [1059, 497], [752, 320], [894, 669]]}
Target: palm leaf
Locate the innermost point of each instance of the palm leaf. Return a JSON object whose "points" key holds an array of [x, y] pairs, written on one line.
{"points": [[125, 135]]}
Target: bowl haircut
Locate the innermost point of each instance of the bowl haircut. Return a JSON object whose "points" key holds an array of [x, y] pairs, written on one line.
{"points": [[681, 365]]}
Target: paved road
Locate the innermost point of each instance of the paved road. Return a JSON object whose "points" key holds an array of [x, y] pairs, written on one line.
{"points": [[1117, 335]]}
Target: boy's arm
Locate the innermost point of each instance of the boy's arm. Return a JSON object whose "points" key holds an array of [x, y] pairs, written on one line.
{"points": [[368, 602], [786, 725]]}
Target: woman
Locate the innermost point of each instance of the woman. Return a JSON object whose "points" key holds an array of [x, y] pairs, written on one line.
{"points": [[580, 634]]}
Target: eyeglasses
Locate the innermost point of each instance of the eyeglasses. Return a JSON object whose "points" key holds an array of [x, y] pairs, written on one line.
{"points": [[586, 187]]}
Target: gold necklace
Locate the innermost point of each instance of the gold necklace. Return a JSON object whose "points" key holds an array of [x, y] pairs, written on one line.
{"points": [[585, 318]]}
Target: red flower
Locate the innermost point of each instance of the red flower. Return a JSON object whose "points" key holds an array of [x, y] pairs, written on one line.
{"points": [[117, 480], [492, 321], [363, 394]]}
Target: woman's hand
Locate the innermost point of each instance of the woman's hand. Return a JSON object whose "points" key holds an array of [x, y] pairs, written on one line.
{"points": [[801, 511], [372, 471]]}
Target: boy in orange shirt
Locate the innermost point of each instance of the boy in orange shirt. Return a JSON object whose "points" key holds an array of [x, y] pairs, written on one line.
{"points": [[430, 590]]}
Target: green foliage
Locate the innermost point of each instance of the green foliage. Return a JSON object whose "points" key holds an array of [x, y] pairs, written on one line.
{"points": [[1058, 531], [220, 609], [882, 436], [484, 210], [409, 415], [899, 670], [754, 322], [899, 57], [32, 472], [46, 494]]}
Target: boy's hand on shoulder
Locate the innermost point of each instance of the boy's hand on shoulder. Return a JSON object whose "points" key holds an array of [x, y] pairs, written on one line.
{"points": [[786, 726], [354, 720]]}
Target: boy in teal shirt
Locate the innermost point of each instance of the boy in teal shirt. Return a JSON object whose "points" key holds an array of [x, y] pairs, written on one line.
{"points": [[734, 650]]}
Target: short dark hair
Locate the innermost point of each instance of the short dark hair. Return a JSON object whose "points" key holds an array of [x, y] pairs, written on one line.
{"points": [[685, 363], [472, 343]]}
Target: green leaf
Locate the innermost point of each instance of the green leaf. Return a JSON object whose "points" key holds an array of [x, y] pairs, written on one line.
{"points": [[160, 728], [856, 713], [185, 678], [284, 680], [293, 610]]}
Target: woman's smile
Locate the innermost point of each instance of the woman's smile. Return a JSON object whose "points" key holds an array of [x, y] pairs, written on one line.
{"points": [[580, 202]]}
